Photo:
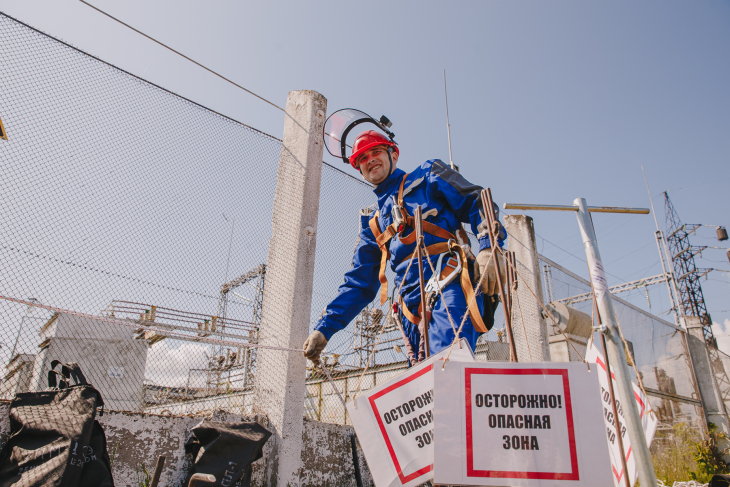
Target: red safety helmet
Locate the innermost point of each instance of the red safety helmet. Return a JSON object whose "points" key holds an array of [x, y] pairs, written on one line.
{"points": [[368, 140]]}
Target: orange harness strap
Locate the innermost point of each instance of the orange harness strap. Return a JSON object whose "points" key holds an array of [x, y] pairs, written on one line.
{"points": [[474, 314], [384, 256], [435, 249], [407, 313], [382, 239]]}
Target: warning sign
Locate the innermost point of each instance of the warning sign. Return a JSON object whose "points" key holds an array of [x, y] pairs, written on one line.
{"points": [[529, 424], [394, 422], [649, 420]]}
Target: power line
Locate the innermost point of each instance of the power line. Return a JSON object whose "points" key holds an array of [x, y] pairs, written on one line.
{"points": [[632, 252], [137, 77], [576, 257], [101, 271], [183, 55]]}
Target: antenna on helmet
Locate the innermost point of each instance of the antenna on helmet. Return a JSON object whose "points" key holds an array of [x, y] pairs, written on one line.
{"points": [[448, 127]]}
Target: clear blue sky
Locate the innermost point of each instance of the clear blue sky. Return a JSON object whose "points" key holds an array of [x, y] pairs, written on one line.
{"points": [[548, 101]]}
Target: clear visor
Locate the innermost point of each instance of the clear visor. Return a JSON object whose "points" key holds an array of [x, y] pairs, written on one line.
{"points": [[339, 127]]}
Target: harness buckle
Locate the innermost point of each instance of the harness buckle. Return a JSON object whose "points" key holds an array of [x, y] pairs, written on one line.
{"points": [[399, 219], [454, 262]]}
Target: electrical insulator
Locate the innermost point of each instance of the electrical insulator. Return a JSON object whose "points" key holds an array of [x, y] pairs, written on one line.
{"points": [[721, 234]]}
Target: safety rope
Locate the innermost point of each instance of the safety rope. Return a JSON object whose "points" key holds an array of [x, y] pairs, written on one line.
{"points": [[326, 371], [463, 320]]}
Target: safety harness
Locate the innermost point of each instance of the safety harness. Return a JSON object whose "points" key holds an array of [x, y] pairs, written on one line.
{"points": [[395, 229]]}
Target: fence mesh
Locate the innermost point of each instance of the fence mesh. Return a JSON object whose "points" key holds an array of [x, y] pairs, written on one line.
{"points": [[148, 218], [136, 227], [126, 201]]}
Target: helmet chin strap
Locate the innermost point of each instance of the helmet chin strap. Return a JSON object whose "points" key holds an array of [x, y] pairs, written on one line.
{"points": [[390, 171]]}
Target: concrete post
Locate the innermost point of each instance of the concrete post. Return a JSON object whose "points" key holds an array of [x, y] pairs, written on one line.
{"points": [[279, 383], [534, 335], [704, 372]]}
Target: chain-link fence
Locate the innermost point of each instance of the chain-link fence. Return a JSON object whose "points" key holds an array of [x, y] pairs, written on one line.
{"points": [[129, 207], [135, 231], [141, 221]]}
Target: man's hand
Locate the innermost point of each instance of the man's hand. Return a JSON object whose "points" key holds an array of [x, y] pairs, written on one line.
{"points": [[314, 346], [485, 266]]}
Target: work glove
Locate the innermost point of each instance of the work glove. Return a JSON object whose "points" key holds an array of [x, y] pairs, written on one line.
{"points": [[486, 266], [314, 345]]}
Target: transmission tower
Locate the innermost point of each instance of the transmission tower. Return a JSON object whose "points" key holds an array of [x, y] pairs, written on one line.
{"points": [[691, 299], [222, 361], [682, 254]]}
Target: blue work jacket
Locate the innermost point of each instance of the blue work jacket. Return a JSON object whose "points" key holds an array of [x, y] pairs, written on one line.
{"points": [[446, 199]]}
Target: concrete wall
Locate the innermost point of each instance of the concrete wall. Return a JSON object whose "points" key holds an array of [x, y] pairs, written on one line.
{"points": [[136, 439]]}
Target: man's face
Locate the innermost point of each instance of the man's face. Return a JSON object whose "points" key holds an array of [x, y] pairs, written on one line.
{"points": [[374, 164]]}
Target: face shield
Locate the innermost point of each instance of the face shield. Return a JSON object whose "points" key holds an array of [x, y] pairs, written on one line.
{"points": [[339, 135]]}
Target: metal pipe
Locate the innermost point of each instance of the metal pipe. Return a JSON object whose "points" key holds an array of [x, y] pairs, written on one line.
{"points": [[591, 209], [615, 347], [418, 228], [488, 205], [618, 209], [520, 206], [612, 395]]}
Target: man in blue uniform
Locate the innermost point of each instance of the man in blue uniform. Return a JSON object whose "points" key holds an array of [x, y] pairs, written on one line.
{"points": [[387, 238]]}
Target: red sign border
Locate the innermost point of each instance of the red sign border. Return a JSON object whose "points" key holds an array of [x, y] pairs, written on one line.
{"points": [[403, 478], [472, 472]]}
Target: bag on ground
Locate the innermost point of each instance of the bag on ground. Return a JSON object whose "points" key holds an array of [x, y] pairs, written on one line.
{"points": [[50, 432], [226, 450]]}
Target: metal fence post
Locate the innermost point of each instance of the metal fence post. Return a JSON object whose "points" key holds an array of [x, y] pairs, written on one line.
{"points": [[532, 340], [279, 381], [616, 351]]}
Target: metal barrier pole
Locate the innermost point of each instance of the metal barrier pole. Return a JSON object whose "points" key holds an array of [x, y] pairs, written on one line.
{"points": [[425, 315], [615, 347], [488, 205]]}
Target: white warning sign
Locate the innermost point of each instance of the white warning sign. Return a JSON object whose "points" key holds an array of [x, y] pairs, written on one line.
{"points": [[531, 424], [394, 422], [649, 421]]}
